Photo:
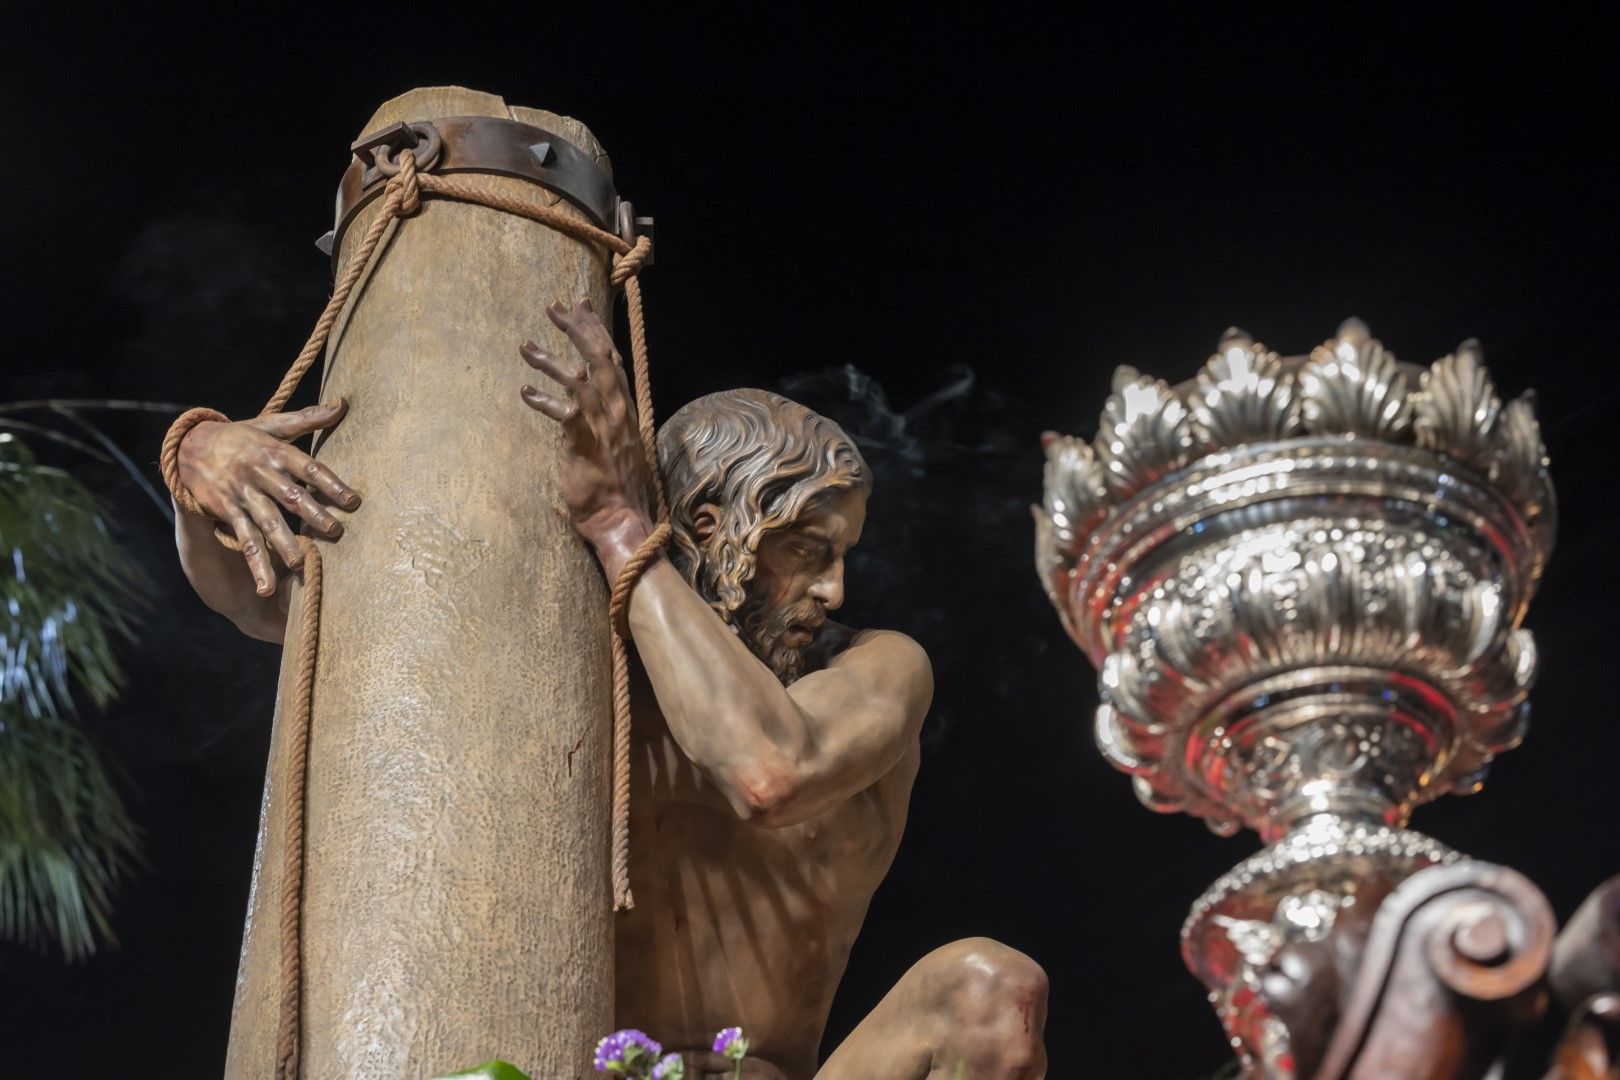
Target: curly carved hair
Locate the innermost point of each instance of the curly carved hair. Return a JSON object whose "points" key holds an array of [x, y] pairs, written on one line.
{"points": [[763, 460]]}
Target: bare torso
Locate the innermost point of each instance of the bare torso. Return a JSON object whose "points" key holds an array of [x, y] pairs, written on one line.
{"points": [[739, 924]]}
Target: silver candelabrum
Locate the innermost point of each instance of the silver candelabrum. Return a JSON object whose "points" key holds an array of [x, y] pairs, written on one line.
{"points": [[1302, 580]]}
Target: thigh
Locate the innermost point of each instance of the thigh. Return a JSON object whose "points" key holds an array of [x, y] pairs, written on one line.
{"points": [[971, 1010], [895, 1041]]}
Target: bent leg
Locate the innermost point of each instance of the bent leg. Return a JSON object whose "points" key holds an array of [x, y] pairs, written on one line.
{"points": [[972, 1010]]}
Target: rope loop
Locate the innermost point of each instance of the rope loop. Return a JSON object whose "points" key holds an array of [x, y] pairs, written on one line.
{"points": [[169, 456], [628, 264], [408, 185], [634, 567]]}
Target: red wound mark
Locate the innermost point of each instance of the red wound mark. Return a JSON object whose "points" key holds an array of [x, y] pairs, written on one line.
{"points": [[1025, 1005], [571, 754]]}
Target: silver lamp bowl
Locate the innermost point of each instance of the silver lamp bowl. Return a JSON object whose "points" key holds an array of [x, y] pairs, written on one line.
{"points": [[1301, 581]]}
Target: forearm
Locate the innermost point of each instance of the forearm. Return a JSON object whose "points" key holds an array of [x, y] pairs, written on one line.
{"points": [[223, 581], [725, 708]]}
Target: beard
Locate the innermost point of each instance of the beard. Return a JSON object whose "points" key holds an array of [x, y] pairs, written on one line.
{"points": [[763, 628]]}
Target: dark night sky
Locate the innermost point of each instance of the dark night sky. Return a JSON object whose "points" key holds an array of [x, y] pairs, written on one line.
{"points": [[981, 210]]}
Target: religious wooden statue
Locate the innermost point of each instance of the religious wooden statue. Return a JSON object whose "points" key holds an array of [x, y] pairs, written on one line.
{"points": [[774, 749]]}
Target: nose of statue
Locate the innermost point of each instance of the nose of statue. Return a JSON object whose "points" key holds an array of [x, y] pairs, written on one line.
{"points": [[828, 589]]}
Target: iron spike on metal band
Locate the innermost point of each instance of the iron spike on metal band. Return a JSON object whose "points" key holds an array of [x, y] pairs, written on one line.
{"points": [[476, 144]]}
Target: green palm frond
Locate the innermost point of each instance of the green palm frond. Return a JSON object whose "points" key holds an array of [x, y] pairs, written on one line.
{"points": [[67, 594]]}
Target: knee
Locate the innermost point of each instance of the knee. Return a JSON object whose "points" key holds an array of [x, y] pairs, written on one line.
{"points": [[994, 1000]]}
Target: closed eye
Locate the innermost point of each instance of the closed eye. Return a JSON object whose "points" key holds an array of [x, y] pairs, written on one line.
{"points": [[808, 550]]}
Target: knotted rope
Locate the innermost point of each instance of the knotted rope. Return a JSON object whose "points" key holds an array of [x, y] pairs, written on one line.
{"points": [[402, 197]]}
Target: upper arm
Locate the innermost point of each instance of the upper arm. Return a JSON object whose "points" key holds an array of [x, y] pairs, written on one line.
{"points": [[223, 582], [861, 714], [265, 619]]}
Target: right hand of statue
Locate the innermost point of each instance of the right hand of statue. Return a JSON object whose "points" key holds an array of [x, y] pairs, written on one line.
{"points": [[243, 473]]}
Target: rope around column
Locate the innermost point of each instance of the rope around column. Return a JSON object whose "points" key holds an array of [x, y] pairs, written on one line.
{"points": [[402, 197]]}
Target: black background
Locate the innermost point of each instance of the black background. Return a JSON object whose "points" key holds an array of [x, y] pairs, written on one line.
{"points": [[983, 211]]}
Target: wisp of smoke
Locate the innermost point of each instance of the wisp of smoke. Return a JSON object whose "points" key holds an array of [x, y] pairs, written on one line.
{"points": [[945, 556]]}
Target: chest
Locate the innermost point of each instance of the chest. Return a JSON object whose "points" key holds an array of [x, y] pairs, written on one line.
{"points": [[857, 837]]}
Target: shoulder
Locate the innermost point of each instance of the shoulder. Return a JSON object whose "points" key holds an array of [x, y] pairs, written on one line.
{"points": [[889, 661], [881, 649], [870, 674]]}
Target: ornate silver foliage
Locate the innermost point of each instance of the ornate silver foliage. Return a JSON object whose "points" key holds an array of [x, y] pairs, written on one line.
{"points": [[1312, 598], [1287, 625], [1455, 409], [1074, 500], [1301, 582], [1252, 886], [1242, 395], [1263, 1042], [1145, 433], [1050, 563], [1299, 886], [1075, 496], [1352, 386], [1520, 464], [1256, 941], [1349, 386]]}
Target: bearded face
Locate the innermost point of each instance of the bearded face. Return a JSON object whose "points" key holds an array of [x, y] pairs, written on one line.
{"points": [[765, 497], [799, 577], [775, 633]]}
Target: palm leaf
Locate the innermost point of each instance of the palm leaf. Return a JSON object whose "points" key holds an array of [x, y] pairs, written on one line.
{"points": [[67, 594]]}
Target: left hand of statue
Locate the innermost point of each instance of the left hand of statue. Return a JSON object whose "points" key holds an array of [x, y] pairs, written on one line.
{"points": [[604, 477]]}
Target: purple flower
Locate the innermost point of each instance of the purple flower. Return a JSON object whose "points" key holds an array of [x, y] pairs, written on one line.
{"points": [[729, 1042], [670, 1068], [625, 1050]]}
